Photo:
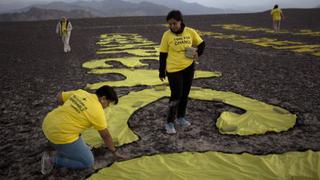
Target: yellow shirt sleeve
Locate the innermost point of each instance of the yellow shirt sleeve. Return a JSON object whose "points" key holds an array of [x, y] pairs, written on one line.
{"points": [[99, 122], [66, 95], [164, 48], [196, 40]]}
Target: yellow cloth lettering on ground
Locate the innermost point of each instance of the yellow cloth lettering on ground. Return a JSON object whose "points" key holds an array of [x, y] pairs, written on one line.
{"points": [[238, 27], [129, 62], [129, 46], [228, 122], [298, 47], [302, 48], [243, 28], [308, 32], [117, 43], [267, 42], [216, 165], [258, 118], [139, 77], [135, 52], [191, 165]]}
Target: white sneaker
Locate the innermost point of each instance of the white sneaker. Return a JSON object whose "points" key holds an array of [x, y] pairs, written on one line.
{"points": [[46, 164], [183, 122], [170, 128], [69, 48]]}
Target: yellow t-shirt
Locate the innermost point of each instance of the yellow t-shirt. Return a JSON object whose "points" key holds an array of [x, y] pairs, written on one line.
{"points": [[276, 14], [175, 45], [63, 28], [80, 111]]}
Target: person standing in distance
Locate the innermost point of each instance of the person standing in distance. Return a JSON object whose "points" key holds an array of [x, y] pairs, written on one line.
{"points": [[63, 29], [277, 15], [179, 49]]}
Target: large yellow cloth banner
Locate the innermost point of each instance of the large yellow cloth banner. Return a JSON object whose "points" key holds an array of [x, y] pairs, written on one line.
{"points": [[216, 165]]}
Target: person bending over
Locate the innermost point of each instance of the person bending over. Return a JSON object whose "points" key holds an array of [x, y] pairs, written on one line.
{"points": [[78, 111]]}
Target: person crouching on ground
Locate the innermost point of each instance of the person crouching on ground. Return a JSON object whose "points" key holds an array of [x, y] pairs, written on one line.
{"points": [[79, 111], [277, 15], [180, 47], [63, 29]]}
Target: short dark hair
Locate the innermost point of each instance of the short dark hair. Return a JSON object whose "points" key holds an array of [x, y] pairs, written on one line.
{"points": [[108, 92], [275, 6], [176, 15]]}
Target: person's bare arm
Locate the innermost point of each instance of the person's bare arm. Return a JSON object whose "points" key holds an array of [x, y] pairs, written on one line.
{"points": [[59, 98], [106, 136]]}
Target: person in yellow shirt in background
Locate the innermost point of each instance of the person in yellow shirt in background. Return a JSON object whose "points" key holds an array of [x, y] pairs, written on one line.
{"points": [[180, 47], [79, 110], [277, 15], [63, 29]]}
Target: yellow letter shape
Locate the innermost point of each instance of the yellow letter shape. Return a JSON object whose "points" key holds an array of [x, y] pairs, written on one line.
{"points": [[216, 165], [139, 77], [135, 52], [127, 61], [258, 118]]}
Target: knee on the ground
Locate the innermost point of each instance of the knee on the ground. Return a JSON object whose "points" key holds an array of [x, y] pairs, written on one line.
{"points": [[88, 161]]}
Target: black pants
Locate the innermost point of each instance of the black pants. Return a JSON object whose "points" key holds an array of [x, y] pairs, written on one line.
{"points": [[180, 83]]}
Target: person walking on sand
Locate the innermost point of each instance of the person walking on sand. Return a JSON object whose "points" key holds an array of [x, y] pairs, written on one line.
{"points": [[63, 29], [180, 47], [277, 15], [79, 110]]}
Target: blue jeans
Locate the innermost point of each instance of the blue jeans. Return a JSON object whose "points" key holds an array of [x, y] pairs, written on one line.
{"points": [[76, 155]]}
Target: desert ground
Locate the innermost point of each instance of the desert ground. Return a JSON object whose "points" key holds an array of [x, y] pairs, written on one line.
{"points": [[34, 69]]}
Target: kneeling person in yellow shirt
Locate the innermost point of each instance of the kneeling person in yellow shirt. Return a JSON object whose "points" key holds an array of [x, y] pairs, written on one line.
{"points": [[79, 111]]}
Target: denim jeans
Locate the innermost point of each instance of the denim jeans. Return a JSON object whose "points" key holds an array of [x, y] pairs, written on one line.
{"points": [[76, 155]]}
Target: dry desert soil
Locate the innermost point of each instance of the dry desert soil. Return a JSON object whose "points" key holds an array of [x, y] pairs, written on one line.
{"points": [[33, 69]]}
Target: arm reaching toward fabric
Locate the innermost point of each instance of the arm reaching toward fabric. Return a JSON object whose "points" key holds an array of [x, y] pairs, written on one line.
{"points": [[106, 136]]}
